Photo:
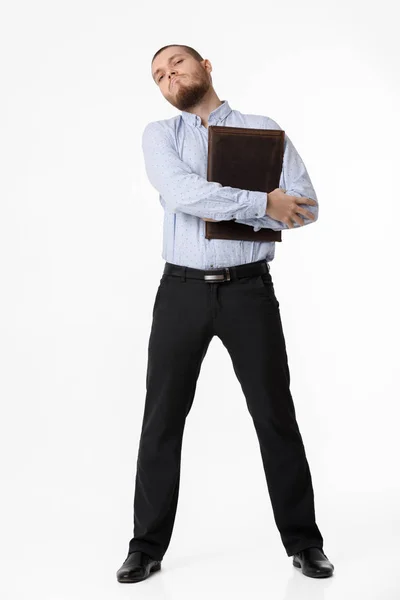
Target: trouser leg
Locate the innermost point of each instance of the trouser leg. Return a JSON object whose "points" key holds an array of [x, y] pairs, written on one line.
{"points": [[180, 335], [249, 325]]}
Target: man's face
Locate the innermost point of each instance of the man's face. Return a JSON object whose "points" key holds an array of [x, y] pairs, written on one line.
{"points": [[183, 81]]}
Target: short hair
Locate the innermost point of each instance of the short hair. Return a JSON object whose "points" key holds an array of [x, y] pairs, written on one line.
{"points": [[188, 49]]}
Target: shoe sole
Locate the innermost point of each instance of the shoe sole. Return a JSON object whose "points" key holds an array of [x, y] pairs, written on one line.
{"points": [[136, 579], [316, 575]]}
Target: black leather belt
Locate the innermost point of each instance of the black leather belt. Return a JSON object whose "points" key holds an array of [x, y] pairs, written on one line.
{"points": [[218, 275]]}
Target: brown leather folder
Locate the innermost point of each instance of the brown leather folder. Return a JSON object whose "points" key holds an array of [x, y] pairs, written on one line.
{"points": [[249, 159]]}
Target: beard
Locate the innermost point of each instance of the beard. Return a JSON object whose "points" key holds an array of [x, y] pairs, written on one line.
{"points": [[191, 94]]}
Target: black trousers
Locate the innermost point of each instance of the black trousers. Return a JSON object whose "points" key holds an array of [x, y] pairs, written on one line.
{"points": [[244, 313]]}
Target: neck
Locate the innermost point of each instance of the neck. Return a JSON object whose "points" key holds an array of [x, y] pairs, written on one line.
{"points": [[209, 103]]}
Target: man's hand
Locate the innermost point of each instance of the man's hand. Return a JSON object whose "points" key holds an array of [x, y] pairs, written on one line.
{"points": [[285, 208]]}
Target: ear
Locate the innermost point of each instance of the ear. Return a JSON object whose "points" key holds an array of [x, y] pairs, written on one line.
{"points": [[207, 65]]}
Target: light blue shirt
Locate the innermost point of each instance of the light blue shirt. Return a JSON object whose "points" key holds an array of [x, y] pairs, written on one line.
{"points": [[175, 153]]}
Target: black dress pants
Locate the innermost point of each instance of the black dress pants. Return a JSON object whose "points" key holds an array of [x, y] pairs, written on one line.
{"points": [[244, 313]]}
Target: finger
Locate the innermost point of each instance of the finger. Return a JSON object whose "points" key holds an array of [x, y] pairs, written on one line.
{"points": [[305, 212], [305, 200], [298, 219], [288, 223]]}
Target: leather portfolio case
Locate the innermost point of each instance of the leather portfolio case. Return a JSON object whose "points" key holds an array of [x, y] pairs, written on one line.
{"points": [[249, 159]]}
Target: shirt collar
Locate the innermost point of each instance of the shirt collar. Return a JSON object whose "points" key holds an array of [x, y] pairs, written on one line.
{"points": [[218, 114]]}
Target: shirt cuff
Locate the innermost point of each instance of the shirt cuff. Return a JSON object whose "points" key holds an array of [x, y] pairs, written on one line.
{"points": [[257, 206]]}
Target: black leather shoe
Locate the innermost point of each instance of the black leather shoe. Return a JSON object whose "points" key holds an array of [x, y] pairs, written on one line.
{"points": [[313, 562], [137, 566]]}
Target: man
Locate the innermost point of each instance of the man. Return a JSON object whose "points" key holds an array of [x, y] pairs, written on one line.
{"points": [[223, 288]]}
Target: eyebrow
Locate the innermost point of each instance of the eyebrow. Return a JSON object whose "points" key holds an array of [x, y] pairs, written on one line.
{"points": [[169, 60]]}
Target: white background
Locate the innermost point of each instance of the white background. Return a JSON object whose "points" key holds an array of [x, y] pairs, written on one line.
{"points": [[80, 243]]}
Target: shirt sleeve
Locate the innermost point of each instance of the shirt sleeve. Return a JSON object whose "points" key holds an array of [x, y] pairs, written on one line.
{"points": [[296, 181], [182, 190]]}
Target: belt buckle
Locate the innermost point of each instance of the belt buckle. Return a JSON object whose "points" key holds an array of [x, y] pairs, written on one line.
{"points": [[222, 277]]}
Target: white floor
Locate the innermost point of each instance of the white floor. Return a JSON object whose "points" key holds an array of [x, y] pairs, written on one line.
{"points": [[67, 497], [71, 549]]}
